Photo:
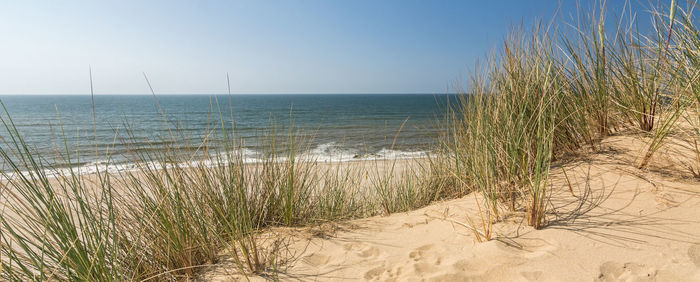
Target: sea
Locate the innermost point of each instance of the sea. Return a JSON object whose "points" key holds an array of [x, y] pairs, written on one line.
{"points": [[82, 132]]}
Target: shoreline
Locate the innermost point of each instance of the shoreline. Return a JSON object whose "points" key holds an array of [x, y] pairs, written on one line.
{"points": [[115, 168]]}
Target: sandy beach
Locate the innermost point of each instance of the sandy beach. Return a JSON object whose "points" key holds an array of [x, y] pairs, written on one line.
{"points": [[632, 225]]}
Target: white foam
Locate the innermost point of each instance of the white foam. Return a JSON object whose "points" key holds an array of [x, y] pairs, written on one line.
{"points": [[330, 152], [396, 154], [327, 152]]}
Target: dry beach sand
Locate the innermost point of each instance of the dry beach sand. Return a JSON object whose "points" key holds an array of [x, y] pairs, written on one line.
{"points": [[633, 225]]}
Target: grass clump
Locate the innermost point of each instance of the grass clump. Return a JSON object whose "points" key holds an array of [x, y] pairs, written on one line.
{"points": [[505, 126], [541, 97], [55, 229]]}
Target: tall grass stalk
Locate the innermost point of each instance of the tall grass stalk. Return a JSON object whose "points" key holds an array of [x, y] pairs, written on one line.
{"points": [[685, 58], [679, 101], [588, 70]]}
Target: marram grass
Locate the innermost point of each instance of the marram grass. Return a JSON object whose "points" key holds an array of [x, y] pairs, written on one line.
{"points": [[544, 93]]}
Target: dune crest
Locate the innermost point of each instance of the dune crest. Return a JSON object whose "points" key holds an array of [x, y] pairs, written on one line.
{"points": [[632, 225]]}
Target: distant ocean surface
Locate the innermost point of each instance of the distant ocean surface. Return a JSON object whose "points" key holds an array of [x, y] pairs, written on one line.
{"points": [[340, 127]]}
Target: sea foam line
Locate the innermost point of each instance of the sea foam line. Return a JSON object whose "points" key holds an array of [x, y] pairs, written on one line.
{"points": [[323, 153]]}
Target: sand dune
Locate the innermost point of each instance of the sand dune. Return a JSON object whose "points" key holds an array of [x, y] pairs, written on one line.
{"points": [[620, 224]]}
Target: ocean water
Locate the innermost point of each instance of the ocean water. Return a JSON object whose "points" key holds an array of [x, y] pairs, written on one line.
{"points": [[338, 127]]}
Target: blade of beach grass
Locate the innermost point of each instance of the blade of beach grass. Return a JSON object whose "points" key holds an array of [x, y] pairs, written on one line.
{"points": [[679, 102], [685, 68], [395, 193], [587, 70]]}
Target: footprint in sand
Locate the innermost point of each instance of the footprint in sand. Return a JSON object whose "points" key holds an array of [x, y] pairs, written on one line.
{"points": [[694, 254], [422, 268], [465, 266], [369, 252], [382, 273], [363, 250], [421, 252], [316, 259], [615, 271], [426, 260], [375, 273]]}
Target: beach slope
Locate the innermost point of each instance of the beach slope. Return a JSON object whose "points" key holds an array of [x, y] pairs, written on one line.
{"points": [[608, 221]]}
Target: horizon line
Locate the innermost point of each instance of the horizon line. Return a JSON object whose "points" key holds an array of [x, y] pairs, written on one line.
{"points": [[296, 93]]}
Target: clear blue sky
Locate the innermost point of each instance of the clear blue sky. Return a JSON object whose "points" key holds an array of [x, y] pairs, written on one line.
{"points": [[324, 46]]}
